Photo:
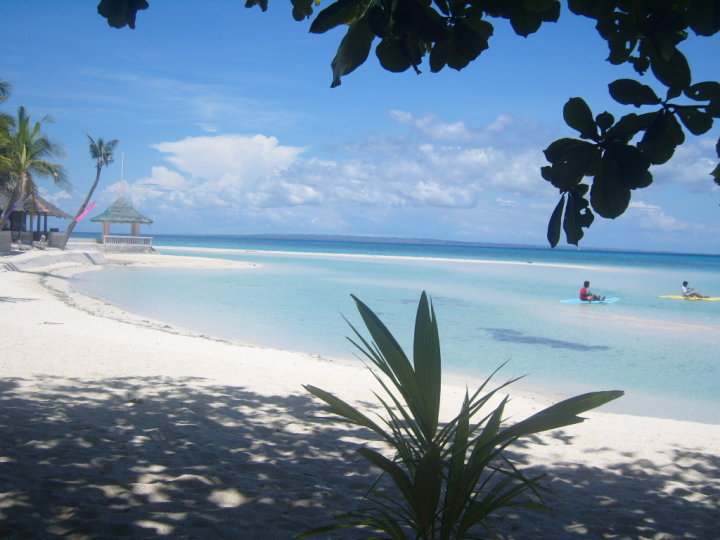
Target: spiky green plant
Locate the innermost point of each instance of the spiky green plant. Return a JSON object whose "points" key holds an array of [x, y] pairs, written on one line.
{"points": [[448, 478]]}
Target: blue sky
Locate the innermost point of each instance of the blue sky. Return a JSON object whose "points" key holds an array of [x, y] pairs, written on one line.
{"points": [[228, 125]]}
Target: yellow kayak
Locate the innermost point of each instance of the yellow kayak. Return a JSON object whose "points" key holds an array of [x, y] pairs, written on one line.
{"points": [[680, 297]]}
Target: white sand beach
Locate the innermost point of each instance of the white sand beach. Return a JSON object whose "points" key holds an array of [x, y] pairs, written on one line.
{"points": [[117, 425]]}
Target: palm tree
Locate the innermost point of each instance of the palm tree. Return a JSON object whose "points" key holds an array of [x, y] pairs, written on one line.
{"points": [[4, 90], [25, 153], [102, 153], [5, 123]]}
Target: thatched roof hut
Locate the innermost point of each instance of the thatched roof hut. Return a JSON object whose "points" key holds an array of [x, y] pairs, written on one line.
{"points": [[34, 205]]}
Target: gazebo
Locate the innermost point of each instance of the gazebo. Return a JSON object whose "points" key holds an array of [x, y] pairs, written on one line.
{"points": [[121, 211], [21, 222]]}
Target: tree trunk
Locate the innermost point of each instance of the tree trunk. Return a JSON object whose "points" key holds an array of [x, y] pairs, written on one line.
{"points": [[72, 224]]}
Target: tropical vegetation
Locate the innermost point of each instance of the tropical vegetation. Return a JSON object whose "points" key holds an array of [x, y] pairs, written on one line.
{"points": [[614, 155], [102, 152], [447, 479], [26, 154]]}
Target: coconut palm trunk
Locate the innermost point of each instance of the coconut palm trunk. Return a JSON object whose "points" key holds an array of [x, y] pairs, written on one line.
{"points": [[102, 153]]}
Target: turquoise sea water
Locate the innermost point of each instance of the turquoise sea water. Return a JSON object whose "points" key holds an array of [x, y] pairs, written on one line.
{"points": [[493, 303]]}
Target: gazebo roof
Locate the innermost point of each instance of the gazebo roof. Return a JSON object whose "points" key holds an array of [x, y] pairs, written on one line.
{"points": [[36, 205], [121, 211]]}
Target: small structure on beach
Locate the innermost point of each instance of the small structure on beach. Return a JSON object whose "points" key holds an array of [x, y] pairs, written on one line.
{"points": [[21, 224], [121, 211]]}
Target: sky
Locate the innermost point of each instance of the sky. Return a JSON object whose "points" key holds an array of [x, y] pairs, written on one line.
{"points": [[227, 125]]}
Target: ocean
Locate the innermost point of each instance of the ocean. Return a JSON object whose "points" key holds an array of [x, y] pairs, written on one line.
{"points": [[493, 303]]}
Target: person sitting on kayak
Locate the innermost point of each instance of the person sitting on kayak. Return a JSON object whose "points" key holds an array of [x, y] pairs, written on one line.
{"points": [[587, 296], [689, 292]]}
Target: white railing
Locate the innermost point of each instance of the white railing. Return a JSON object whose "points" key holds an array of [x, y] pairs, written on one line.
{"points": [[128, 240]]}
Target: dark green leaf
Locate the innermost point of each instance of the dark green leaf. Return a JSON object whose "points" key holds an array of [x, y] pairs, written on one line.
{"points": [[427, 487], [264, 3], [396, 473], [577, 217], [553, 232], [703, 16], [578, 116], [393, 361], [696, 121], [353, 50], [379, 21], [525, 22], [427, 362], [431, 27], [620, 50], [716, 175], [673, 93], [590, 8], [631, 92], [466, 42], [609, 195], [302, 9], [604, 121], [559, 149], [673, 72], [630, 125], [571, 160], [439, 56], [341, 408], [704, 91], [640, 65], [661, 138], [120, 13], [713, 108], [457, 480], [632, 165], [561, 414], [337, 13], [392, 56]]}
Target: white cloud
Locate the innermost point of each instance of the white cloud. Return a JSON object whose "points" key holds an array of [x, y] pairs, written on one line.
{"points": [[653, 217], [234, 173], [433, 194], [464, 180], [230, 159], [643, 206], [690, 167], [54, 198]]}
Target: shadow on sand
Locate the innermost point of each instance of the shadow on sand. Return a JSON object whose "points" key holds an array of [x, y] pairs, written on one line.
{"points": [[154, 457]]}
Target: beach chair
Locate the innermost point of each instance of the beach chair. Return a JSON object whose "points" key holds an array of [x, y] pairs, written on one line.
{"points": [[18, 245], [40, 244]]}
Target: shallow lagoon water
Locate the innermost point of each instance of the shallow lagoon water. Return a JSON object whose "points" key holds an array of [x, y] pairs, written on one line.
{"points": [[662, 352]]}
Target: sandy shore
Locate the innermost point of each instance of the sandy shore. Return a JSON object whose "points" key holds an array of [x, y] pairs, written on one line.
{"points": [[116, 425]]}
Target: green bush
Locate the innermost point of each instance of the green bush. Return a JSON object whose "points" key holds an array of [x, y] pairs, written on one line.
{"points": [[451, 477]]}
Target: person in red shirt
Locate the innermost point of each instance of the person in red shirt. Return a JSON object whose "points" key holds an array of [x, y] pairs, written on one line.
{"points": [[587, 296]]}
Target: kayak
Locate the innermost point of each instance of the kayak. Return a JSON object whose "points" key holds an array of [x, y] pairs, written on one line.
{"points": [[679, 297], [578, 301]]}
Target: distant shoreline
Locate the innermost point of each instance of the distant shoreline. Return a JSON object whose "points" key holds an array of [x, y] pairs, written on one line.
{"points": [[420, 242], [369, 256]]}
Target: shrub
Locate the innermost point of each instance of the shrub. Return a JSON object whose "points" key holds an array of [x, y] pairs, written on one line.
{"points": [[450, 477]]}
